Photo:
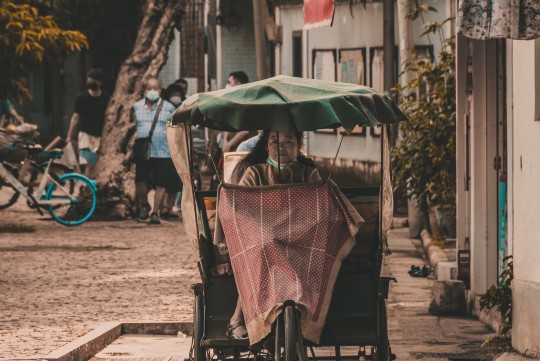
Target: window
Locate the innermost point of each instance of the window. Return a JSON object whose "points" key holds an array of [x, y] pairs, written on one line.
{"points": [[297, 54]]}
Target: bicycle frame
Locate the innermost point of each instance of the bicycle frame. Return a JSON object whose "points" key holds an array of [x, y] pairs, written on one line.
{"points": [[47, 178]]}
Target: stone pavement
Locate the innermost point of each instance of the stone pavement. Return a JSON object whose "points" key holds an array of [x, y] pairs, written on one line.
{"points": [[59, 283], [414, 334]]}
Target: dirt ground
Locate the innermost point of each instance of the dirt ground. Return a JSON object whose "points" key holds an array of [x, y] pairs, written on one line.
{"points": [[58, 283]]}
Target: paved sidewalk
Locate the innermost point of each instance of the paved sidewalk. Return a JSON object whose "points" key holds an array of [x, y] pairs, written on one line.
{"points": [[59, 283], [414, 334]]}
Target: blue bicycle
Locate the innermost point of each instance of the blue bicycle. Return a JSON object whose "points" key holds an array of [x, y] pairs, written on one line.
{"points": [[70, 198]]}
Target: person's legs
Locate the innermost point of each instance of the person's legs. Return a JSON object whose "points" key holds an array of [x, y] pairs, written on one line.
{"points": [[159, 197], [142, 172], [168, 177], [236, 328]]}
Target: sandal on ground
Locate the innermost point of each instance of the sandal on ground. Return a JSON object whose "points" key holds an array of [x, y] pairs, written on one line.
{"points": [[168, 214], [230, 328], [424, 272]]}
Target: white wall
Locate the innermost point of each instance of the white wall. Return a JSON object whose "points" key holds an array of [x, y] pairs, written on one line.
{"points": [[526, 201], [360, 29], [171, 69]]}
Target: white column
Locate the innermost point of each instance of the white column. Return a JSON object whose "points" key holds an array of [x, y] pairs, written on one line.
{"points": [[461, 142], [483, 174]]}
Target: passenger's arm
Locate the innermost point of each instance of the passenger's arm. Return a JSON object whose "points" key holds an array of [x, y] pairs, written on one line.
{"points": [[314, 176], [16, 115], [250, 178]]}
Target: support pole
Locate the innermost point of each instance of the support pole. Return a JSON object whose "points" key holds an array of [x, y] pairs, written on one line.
{"points": [[389, 45], [260, 39]]}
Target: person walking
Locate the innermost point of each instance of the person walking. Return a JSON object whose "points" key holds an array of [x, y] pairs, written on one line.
{"points": [[87, 120], [175, 95], [150, 116]]}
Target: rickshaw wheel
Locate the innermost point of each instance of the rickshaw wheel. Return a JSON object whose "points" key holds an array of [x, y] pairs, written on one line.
{"points": [[199, 353], [290, 333]]}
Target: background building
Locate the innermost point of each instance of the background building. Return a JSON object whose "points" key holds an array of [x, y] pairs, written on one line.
{"points": [[498, 158]]}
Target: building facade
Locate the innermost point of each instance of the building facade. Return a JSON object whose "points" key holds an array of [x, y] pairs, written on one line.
{"points": [[498, 164]]}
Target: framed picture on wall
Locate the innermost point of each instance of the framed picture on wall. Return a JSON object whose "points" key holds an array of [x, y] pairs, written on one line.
{"points": [[376, 67], [324, 68], [357, 131], [352, 66], [324, 64]]}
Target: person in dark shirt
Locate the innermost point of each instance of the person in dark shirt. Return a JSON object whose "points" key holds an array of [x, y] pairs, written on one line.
{"points": [[88, 117]]}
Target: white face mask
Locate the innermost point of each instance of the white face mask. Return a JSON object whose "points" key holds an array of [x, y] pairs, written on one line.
{"points": [[152, 95], [176, 100]]}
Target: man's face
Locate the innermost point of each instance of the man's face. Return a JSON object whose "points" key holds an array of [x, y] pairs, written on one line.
{"points": [[232, 81], [93, 84], [153, 84]]}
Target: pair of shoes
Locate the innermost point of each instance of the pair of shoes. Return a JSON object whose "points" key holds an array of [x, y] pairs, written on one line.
{"points": [[416, 271], [230, 328], [168, 215], [154, 219], [144, 213]]}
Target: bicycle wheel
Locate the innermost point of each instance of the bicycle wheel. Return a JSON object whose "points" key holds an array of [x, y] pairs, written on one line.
{"points": [[77, 210], [56, 171], [8, 194]]}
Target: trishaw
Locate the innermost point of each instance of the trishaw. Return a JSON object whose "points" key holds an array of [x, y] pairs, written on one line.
{"points": [[356, 315]]}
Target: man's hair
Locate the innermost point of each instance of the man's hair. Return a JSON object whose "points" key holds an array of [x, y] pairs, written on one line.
{"points": [[240, 76], [95, 74], [152, 78], [180, 81]]}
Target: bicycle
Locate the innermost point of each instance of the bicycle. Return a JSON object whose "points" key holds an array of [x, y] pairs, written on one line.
{"points": [[70, 198]]}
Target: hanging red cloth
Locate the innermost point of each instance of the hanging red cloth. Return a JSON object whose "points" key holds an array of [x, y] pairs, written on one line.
{"points": [[318, 13]]}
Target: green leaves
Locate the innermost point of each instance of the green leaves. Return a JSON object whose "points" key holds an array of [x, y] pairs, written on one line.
{"points": [[424, 158], [500, 297], [27, 38]]}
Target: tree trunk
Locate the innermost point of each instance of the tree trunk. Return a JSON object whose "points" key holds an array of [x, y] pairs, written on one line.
{"points": [[114, 172]]}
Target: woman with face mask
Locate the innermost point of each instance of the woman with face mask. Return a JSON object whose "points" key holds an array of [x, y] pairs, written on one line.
{"points": [[174, 94], [149, 113]]}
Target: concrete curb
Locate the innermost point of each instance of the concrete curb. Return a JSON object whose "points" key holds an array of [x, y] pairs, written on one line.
{"points": [[513, 356], [85, 347], [88, 345], [435, 253]]}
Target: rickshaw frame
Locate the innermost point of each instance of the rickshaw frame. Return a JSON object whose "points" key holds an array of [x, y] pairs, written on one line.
{"points": [[357, 313], [364, 324]]}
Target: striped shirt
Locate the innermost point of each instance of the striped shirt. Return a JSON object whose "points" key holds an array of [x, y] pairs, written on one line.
{"points": [[144, 117]]}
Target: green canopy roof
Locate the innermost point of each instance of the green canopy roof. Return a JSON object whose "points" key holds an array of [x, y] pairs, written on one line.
{"points": [[289, 103]]}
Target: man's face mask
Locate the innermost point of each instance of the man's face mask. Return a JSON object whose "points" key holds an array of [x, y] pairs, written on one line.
{"points": [[152, 95], [92, 85]]}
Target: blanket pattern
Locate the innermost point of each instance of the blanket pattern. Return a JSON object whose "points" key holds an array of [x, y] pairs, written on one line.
{"points": [[285, 243]]}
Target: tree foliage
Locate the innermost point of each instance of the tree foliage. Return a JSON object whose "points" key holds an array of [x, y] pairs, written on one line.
{"points": [[500, 297], [28, 38], [424, 158]]}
